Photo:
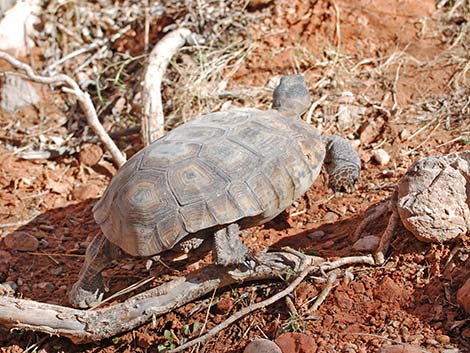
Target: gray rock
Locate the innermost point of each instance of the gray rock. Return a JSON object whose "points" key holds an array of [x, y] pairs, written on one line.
{"points": [[381, 156], [433, 200], [57, 270], [368, 243], [16, 93], [262, 346]]}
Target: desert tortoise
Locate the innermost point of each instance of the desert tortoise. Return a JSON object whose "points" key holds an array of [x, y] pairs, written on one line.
{"points": [[213, 176]]}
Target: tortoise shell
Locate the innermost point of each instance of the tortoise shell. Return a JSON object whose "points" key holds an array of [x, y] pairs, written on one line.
{"points": [[243, 165]]}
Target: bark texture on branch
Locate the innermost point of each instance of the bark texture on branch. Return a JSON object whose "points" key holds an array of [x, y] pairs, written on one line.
{"points": [[153, 121], [83, 326], [93, 325]]}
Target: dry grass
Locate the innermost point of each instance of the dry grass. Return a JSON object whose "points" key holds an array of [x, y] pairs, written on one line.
{"points": [[199, 78]]}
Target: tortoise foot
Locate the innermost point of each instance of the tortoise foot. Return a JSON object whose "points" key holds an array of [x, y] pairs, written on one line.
{"points": [[84, 299], [344, 179], [228, 247]]}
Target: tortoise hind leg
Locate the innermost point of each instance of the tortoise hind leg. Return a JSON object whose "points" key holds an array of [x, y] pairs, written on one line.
{"points": [[89, 289], [228, 246]]}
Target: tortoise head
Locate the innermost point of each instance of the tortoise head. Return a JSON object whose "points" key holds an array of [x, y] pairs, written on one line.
{"points": [[291, 96]]}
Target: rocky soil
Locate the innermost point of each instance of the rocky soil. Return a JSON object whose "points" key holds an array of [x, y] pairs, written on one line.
{"points": [[392, 76]]}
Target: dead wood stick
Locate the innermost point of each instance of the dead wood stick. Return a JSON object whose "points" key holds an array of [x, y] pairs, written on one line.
{"points": [[94, 325], [83, 99], [153, 121], [245, 311], [309, 264], [387, 236], [324, 293], [373, 215]]}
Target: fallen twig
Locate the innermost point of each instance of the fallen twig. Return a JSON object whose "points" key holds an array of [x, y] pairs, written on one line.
{"points": [[324, 293], [245, 311], [83, 98], [93, 325], [309, 264], [153, 119]]}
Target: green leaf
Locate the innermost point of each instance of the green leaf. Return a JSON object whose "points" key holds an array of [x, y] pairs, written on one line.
{"points": [[168, 335], [294, 326], [115, 340], [186, 330], [196, 326]]}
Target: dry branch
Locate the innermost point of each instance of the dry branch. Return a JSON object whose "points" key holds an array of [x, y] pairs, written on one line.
{"points": [[153, 121], [93, 325], [83, 98]]}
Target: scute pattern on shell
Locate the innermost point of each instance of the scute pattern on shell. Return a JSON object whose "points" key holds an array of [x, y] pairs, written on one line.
{"points": [[220, 168]]}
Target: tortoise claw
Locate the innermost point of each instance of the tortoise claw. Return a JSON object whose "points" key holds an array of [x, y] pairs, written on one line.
{"points": [[84, 299]]}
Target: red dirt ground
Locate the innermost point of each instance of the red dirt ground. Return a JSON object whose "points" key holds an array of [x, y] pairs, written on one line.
{"points": [[411, 298]]}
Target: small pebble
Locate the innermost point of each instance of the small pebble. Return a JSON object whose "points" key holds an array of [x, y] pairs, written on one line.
{"points": [[145, 341], [262, 346], [296, 343], [225, 305], [316, 235], [400, 348], [46, 285], [348, 276], [57, 270], [328, 244], [128, 266], [404, 134], [444, 339], [381, 156], [90, 155], [21, 241], [432, 342], [368, 243], [84, 192], [330, 217]]}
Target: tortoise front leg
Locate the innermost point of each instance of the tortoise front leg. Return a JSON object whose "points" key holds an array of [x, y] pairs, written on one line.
{"points": [[342, 163], [89, 289], [228, 246]]}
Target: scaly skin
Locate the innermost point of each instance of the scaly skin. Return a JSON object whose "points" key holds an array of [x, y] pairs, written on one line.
{"points": [[342, 163], [89, 289]]}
